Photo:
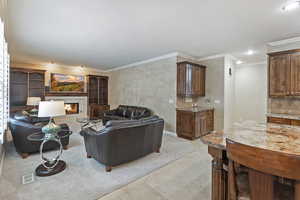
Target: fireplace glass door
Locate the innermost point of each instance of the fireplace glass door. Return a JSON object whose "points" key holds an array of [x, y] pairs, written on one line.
{"points": [[72, 108]]}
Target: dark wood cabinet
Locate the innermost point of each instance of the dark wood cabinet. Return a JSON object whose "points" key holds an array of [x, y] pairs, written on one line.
{"points": [[284, 121], [284, 73], [97, 95], [190, 79], [97, 111], [25, 83], [192, 125], [279, 74], [295, 74]]}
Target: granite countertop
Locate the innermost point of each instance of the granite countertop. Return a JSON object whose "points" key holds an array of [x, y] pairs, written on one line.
{"points": [[195, 109], [286, 116], [274, 137]]}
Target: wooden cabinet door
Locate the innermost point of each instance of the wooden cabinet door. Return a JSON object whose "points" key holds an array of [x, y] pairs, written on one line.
{"points": [[103, 91], [93, 91], [198, 81], [185, 124], [181, 79], [189, 80], [279, 75], [201, 125], [210, 120], [295, 74]]}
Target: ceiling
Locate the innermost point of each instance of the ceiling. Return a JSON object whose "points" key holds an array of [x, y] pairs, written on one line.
{"points": [[108, 33]]}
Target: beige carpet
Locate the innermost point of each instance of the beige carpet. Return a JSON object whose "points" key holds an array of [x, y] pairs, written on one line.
{"points": [[84, 179]]}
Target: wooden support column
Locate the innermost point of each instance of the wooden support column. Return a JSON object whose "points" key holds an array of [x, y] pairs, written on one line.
{"points": [[219, 175]]}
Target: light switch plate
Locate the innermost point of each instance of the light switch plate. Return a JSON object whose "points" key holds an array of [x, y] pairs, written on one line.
{"points": [[217, 101]]}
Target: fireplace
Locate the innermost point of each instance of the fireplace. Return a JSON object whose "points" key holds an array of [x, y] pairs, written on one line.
{"points": [[72, 108], [80, 108]]}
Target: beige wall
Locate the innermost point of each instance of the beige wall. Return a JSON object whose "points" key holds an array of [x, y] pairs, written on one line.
{"points": [[251, 92], [214, 89], [73, 70], [152, 85]]}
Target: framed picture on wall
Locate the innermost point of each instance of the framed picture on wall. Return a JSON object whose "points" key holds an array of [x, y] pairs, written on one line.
{"points": [[66, 83]]}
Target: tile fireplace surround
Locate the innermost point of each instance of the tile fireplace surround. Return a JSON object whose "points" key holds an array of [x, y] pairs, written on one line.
{"points": [[81, 100]]}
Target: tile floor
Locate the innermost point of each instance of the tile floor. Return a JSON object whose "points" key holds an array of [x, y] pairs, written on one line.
{"points": [[188, 178]]}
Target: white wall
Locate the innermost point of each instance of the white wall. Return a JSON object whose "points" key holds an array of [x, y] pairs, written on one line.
{"points": [[3, 4], [251, 92], [229, 91]]}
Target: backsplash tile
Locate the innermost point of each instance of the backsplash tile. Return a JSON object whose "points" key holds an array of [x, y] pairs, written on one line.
{"points": [[288, 105]]}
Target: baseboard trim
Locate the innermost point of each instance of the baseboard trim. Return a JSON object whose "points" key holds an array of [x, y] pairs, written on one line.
{"points": [[170, 133], [2, 161]]}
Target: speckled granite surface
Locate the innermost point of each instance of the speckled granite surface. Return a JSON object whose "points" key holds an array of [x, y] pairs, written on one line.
{"points": [[195, 109], [285, 116], [281, 138]]}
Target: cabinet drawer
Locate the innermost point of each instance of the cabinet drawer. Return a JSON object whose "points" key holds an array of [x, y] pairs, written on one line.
{"points": [[277, 120], [295, 122]]}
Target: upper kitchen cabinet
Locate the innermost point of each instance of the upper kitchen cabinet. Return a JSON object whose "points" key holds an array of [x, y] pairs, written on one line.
{"points": [[190, 79], [284, 73], [295, 74], [279, 75]]}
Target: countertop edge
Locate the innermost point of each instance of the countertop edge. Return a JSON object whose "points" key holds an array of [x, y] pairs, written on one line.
{"points": [[210, 144]]}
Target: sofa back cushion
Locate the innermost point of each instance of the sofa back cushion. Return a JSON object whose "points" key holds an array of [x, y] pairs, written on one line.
{"points": [[132, 112]]}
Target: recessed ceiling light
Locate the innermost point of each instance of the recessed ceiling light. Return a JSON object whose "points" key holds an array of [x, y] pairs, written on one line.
{"points": [[239, 62], [291, 5], [250, 52]]}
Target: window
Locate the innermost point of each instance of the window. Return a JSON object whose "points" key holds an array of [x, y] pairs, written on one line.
{"points": [[4, 83]]}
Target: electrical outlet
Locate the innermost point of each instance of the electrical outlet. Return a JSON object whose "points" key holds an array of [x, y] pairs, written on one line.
{"points": [[188, 100]]}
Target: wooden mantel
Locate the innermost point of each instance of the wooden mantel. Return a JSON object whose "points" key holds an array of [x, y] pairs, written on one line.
{"points": [[66, 94]]}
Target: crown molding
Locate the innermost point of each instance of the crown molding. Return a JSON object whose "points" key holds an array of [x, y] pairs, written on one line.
{"points": [[171, 55], [218, 56], [30, 65], [284, 42], [254, 63], [212, 57]]}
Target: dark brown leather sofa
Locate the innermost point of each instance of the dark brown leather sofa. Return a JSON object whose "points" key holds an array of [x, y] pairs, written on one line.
{"points": [[124, 141], [22, 125], [125, 112]]}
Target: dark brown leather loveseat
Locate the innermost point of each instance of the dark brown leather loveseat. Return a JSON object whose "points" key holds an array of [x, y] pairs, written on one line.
{"points": [[22, 125], [125, 112], [123, 141]]}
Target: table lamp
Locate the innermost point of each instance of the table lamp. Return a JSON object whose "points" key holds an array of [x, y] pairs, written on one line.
{"points": [[51, 109], [33, 101]]}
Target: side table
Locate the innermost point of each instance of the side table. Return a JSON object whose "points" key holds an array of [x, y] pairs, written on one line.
{"points": [[50, 166]]}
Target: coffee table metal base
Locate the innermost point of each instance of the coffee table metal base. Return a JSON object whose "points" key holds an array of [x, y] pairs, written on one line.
{"points": [[42, 171]]}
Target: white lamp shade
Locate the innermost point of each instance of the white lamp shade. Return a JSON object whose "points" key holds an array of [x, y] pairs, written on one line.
{"points": [[51, 109], [33, 101]]}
